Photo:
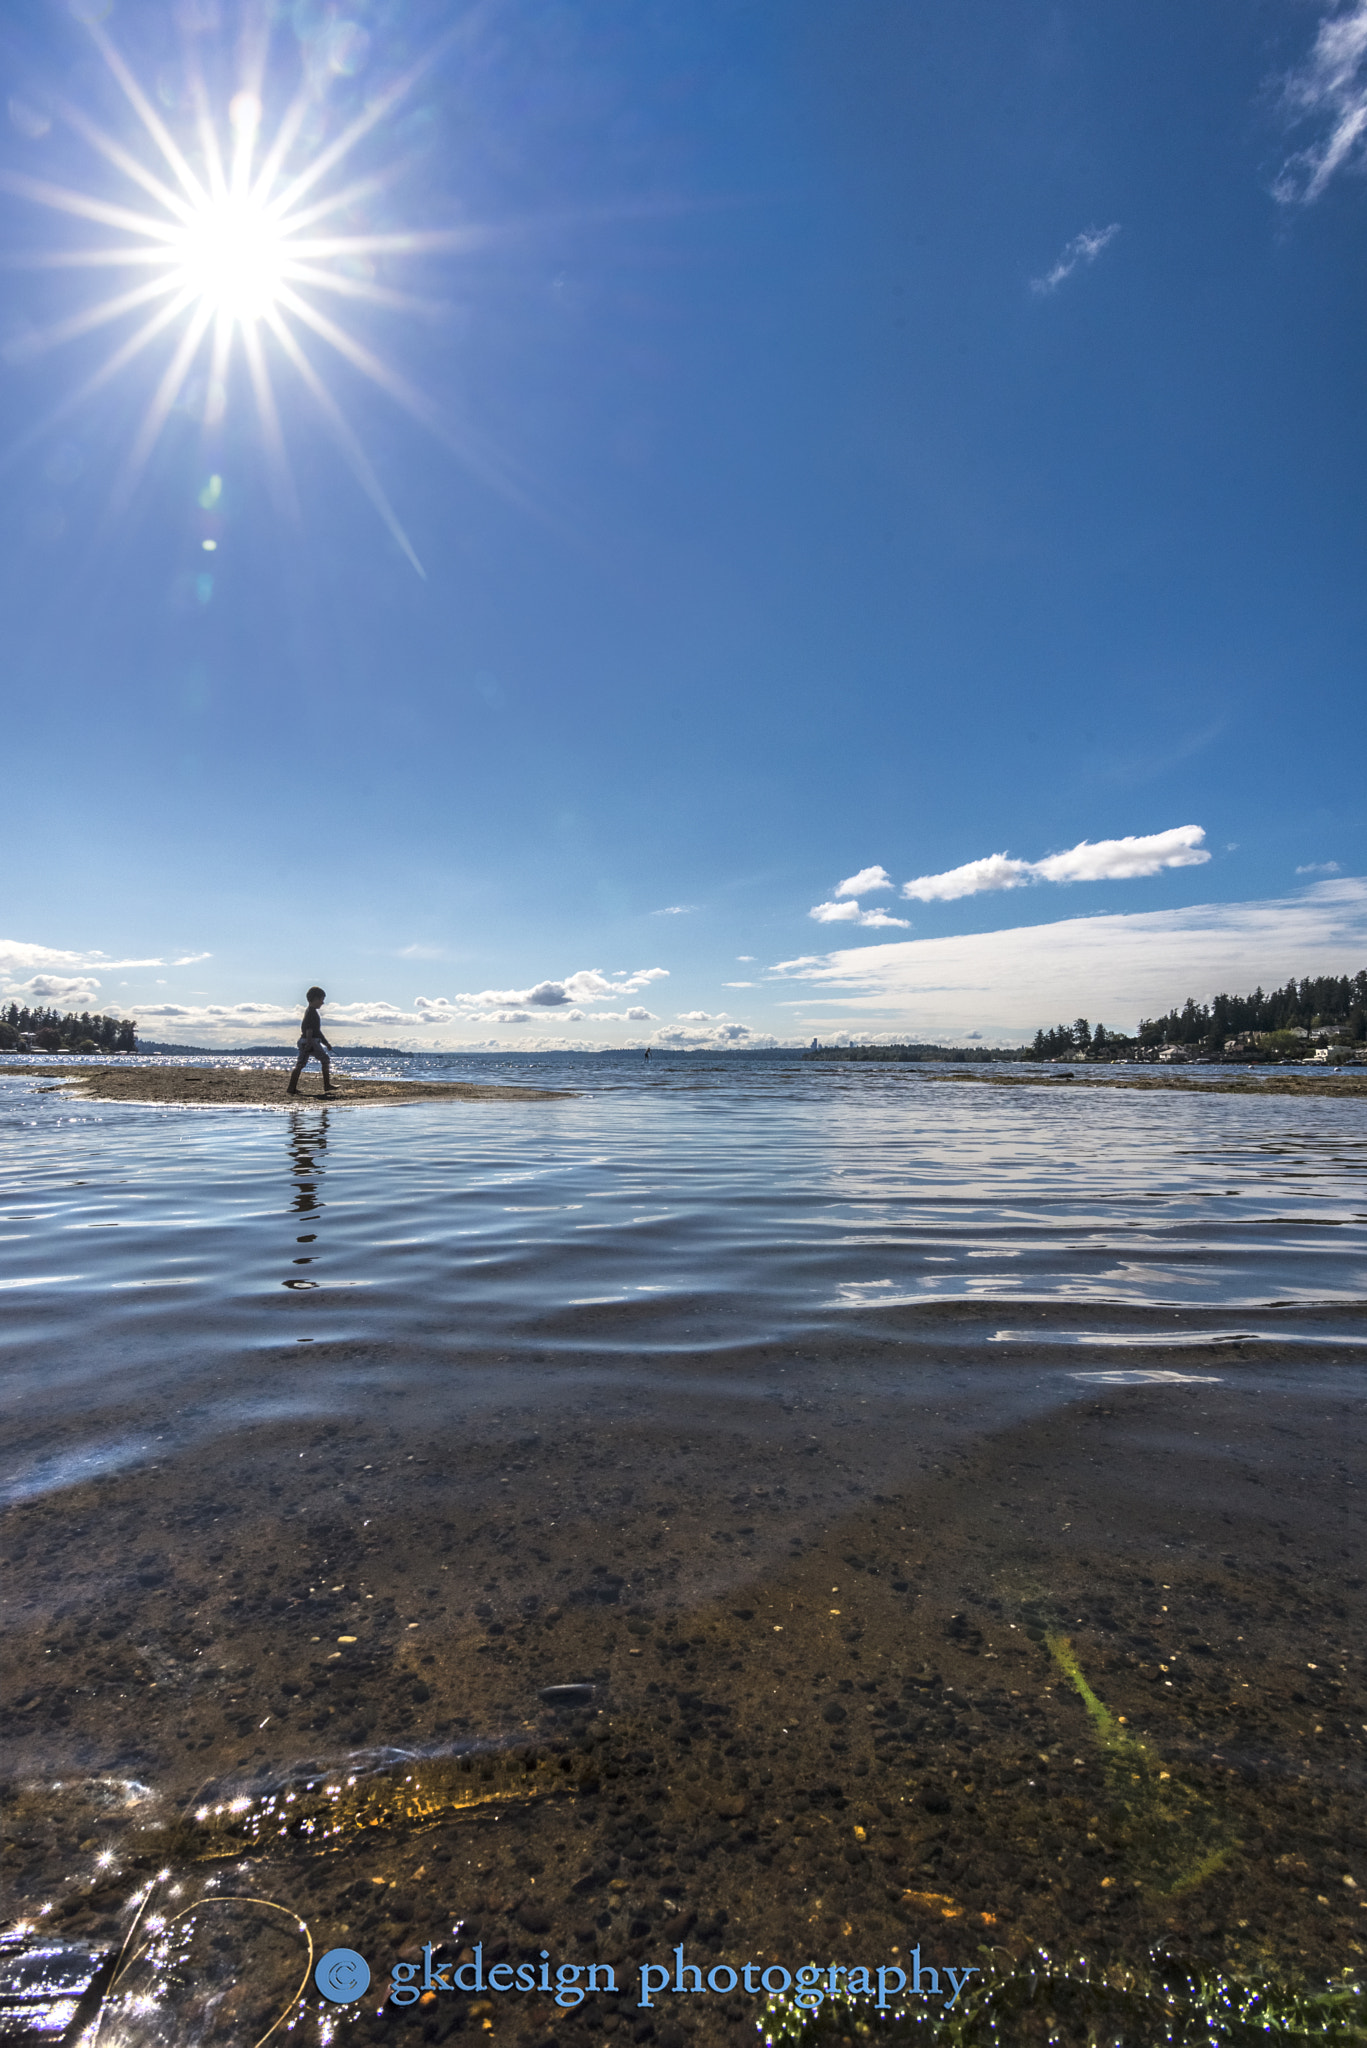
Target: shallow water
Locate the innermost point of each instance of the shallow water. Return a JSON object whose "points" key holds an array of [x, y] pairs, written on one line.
{"points": [[798, 1410]]}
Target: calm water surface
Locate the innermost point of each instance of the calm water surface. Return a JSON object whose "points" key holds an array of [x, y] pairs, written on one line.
{"points": [[353, 1429]]}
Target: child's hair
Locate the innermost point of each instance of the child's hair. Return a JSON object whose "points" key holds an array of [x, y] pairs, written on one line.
{"points": [[317, 995]]}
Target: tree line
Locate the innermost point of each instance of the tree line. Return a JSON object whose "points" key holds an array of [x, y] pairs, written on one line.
{"points": [[1325, 1002], [53, 1032]]}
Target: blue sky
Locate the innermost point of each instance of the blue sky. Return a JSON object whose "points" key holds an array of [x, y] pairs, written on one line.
{"points": [[839, 438]]}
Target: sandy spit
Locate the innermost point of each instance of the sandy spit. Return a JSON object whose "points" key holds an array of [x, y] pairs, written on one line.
{"points": [[262, 1088], [1325, 1082]]}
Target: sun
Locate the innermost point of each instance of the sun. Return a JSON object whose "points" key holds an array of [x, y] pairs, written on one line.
{"points": [[233, 257], [238, 244]]}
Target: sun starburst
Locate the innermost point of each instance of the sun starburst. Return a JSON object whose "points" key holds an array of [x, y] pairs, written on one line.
{"points": [[234, 238]]}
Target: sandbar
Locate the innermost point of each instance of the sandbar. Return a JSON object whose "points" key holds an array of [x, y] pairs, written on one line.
{"points": [[1322, 1083], [264, 1087]]}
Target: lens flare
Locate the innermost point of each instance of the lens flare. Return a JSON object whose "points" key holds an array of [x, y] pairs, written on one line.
{"points": [[237, 238]]}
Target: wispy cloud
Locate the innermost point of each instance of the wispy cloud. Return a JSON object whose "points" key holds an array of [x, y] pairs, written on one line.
{"points": [[1330, 89], [866, 883], [1116, 967], [675, 910], [56, 974], [1084, 248], [849, 912], [269, 1016], [1100, 860], [1320, 867]]}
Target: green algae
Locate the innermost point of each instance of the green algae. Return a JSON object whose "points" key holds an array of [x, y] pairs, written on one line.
{"points": [[1168, 1837], [1163, 2003]]}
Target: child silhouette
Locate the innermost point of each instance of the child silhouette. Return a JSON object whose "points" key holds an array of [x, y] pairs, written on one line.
{"points": [[313, 1045]]}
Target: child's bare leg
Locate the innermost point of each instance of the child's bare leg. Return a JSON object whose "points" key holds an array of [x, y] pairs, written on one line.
{"points": [[299, 1066], [326, 1064]]}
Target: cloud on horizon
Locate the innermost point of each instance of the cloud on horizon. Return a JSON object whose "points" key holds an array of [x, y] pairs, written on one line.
{"points": [[588, 985], [1330, 89], [1084, 248], [1100, 860], [1115, 968], [730, 1033]]}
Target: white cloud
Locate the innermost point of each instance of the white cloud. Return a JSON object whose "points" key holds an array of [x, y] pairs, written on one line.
{"points": [[716, 1033], [738, 984], [588, 985], [1331, 89], [1100, 860], [1320, 867], [273, 1016], [865, 883], [635, 1015], [996, 871], [16, 955], [701, 1016], [1121, 860], [745, 956], [675, 910], [850, 913], [54, 988], [1117, 967], [1084, 248]]}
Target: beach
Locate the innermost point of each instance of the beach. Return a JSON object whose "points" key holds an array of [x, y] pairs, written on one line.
{"points": [[953, 1543]]}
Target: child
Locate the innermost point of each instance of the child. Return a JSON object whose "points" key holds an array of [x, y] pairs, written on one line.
{"points": [[313, 1045]]}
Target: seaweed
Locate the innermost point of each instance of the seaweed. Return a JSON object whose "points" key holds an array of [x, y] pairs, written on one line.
{"points": [[1166, 2002], [1168, 1836]]}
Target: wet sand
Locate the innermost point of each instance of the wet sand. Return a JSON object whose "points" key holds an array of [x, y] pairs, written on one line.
{"points": [[828, 1703], [263, 1087]]}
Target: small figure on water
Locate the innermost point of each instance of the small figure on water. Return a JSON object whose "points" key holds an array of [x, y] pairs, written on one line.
{"points": [[313, 1045]]}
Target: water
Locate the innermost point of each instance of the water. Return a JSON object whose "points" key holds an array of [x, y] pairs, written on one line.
{"points": [[806, 1413]]}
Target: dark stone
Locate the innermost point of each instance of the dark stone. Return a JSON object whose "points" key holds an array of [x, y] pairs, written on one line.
{"points": [[565, 1695]]}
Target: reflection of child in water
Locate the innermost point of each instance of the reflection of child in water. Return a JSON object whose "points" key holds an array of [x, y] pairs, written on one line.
{"points": [[313, 1045]]}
